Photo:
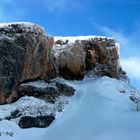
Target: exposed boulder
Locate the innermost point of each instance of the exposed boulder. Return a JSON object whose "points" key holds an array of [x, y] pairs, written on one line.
{"points": [[39, 89], [47, 91], [39, 121], [24, 55], [32, 107]]}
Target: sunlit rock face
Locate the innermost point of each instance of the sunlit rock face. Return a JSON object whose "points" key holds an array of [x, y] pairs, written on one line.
{"points": [[27, 54], [69, 60], [73, 56], [24, 55]]}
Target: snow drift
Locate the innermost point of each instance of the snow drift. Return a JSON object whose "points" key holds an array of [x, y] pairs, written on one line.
{"points": [[101, 109]]}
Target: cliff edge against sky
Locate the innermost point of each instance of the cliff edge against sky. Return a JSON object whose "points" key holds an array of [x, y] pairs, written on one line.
{"points": [[28, 54]]}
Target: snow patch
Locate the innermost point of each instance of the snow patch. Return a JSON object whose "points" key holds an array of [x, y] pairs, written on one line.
{"points": [[72, 39], [100, 109], [25, 26], [39, 84]]}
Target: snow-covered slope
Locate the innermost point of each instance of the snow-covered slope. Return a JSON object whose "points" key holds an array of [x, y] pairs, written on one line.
{"points": [[100, 110]]}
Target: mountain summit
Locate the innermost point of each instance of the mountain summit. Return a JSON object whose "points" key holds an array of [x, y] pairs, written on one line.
{"points": [[74, 87]]}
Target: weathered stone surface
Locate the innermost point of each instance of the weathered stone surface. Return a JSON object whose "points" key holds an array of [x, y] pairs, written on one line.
{"points": [[24, 55], [73, 56], [27, 54], [39, 121], [33, 107], [69, 60], [47, 91]]}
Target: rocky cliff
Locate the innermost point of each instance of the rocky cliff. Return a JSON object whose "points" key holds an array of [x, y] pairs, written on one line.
{"points": [[24, 55], [76, 56], [28, 54]]}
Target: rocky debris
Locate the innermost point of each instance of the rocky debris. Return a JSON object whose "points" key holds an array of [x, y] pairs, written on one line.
{"points": [[39, 121], [48, 91], [14, 114], [31, 107], [64, 89], [136, 100], [49, 99], [73, 56], [24, 55]]}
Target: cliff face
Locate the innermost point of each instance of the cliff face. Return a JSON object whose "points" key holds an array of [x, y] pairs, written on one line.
{"points": [[24, 55], [75, 56], [27, 54]]}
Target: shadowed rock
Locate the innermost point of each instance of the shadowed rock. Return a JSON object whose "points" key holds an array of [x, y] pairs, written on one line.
{"points": [[47, 91], [27, 54], [24, 55], [39, 121], [74, 56]]}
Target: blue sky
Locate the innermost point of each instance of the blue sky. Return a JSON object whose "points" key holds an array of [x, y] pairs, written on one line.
{"points": [[117, 18]]}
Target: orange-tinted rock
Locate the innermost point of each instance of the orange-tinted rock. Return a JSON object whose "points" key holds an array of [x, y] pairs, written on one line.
{"points": [[69, 60], [27, 54], [99, 54], [24, 55]]}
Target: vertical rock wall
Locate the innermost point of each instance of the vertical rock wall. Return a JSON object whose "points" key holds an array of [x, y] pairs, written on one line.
{"points": [[74, 56], [24, 55], [27, 54]]}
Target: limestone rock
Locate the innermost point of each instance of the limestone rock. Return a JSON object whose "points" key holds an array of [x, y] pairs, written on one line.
{"points": [[69, 60], [24, 55], [27, 54], [30, 112], [73, 56]]}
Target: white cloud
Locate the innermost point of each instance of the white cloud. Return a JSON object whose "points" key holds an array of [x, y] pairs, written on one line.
{"points": [[129, 43], [60, 5], [132, 66], [3, 5], [130, 56]]}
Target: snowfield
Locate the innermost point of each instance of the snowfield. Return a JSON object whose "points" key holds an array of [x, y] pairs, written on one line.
{"points": [[100, 110]]}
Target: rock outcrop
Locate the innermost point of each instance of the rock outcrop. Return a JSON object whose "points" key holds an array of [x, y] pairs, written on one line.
{"points": [[74, 56], [27, 54], [27, 111], [69, 60], [24, 55], [39, 121], [47, 91]]}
